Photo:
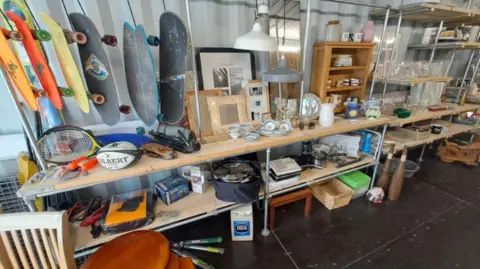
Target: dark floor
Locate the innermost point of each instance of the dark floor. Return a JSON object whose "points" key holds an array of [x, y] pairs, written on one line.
{"points": [[435, 224]]}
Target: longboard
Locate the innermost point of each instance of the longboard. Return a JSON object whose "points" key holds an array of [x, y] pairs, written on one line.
{"points": [[12, 65], [67, 63], [50, 116], [39, 63], [140, 73], [173, 52], [97, 70]]}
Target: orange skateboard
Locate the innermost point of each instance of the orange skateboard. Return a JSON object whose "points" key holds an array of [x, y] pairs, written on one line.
{"points": [[39, 63], [14, 68]]}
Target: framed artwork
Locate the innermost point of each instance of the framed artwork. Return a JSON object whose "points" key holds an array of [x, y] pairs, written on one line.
{"points": [[257, 97], [225, 69], [225, 111], [204, 113]]}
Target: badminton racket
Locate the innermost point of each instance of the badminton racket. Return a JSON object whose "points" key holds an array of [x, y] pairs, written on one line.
{"points": [[64, 144]]}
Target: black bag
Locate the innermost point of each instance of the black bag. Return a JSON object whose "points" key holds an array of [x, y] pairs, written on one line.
{"points": [[236, 186]]}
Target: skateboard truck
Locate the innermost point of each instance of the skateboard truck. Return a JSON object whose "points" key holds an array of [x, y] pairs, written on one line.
{"points": [[161, 118], [40, 93], [66, 92], [153, 40], [110, 40], [41, 35], [97, 98], [125, 109], [13, 35], [75, 37]]}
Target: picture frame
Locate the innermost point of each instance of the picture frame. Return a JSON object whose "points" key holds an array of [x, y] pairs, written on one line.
{"points": [[204, 112], [226, 111], [257, 96], [224, 68]]}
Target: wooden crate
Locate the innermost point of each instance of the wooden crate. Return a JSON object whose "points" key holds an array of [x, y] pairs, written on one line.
{"points": [[333, 194], [323, 69]]}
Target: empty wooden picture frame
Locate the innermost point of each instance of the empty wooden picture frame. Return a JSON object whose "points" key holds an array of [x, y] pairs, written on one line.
{"points": [[257, 97], [226, 111], [204, 113]]}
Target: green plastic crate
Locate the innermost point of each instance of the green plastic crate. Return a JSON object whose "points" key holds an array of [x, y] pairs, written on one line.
{"points": [[355, 180]]}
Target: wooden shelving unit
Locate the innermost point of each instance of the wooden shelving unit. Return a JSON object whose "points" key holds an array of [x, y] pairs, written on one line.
{"points": [[418, 80], [447, 45], [323, 69]]}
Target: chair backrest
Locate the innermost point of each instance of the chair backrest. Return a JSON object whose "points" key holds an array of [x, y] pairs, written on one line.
{"points": [[35, 240]]}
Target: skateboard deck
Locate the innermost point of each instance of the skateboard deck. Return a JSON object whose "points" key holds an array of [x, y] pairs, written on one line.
{"points": [[140, 73], [12, 65], [173, 52], [97, 70], [49, 115], [38, 61], [67, 63]]}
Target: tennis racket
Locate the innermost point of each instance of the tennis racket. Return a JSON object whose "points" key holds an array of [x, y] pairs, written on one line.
{"points": [[64, 144]]}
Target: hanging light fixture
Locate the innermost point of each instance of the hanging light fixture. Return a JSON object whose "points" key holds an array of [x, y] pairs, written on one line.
{"points": [[256, 39], [282, 73]]}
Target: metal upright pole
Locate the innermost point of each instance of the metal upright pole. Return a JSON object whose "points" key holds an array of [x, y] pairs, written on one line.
{"points": [[465, 75], [24, 120], [391, 56], [278, 56], [194, 66], [379, 51], [379, 155], [432, 55], [469, 4], [304, 56], [265, 231]]}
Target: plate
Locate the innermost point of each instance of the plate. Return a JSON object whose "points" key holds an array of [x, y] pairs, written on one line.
{"points": [[310, 106], [252, 137], [285, 126]]}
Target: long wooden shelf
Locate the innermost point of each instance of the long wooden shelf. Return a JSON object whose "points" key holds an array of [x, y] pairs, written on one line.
{"points": [[212, 151], [446, 45], [418, 80], [340, 68], [193, 205], [420, 116], [435, 12], [345, 88], [453, 129], [197, 204]]}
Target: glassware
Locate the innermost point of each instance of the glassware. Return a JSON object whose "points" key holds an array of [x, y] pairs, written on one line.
{"points": [[333, 31]]}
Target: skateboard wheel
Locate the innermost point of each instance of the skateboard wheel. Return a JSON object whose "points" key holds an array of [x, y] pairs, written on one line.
{"points": [[14, 35], [125, 109], [67, 92], [79, 38], [110, 40], [97, 98], [41, 35], [153, 40], [140, 130]]}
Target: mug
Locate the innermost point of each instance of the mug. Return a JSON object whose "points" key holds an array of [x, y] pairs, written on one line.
{"points": [[355, 81], [438, 129], [346, 82], [345, 37], [357, 37]]}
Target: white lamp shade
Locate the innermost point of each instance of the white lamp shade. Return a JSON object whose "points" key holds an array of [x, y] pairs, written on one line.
{"points": [[256, 40]]}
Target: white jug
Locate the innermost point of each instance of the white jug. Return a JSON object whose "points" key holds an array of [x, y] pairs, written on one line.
{"points": [[326, 114]]}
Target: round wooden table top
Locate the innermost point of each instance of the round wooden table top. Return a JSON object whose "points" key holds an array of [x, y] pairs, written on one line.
{"points": [[139, 249]]}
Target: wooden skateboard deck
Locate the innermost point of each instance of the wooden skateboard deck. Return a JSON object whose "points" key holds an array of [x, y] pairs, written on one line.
{"points": [[173, 53], [97, 70], [16, 73], [49, 115], [67, 63], [140, 73], [38, 61]]}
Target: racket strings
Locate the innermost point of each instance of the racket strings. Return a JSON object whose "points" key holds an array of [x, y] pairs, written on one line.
{"points": [[64, 146]]}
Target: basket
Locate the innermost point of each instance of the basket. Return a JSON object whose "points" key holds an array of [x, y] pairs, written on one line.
{"points": [[410, 168], [333, 194]]}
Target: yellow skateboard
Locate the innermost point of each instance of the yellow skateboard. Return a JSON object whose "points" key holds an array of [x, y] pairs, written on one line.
{"points": [[14, 68], [65, 58]]}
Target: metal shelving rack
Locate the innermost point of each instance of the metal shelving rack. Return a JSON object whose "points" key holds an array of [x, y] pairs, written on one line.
{"points": [[267, 195]]}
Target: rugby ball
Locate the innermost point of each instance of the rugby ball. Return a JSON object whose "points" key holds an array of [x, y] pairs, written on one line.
{"points": [[118, 155]]}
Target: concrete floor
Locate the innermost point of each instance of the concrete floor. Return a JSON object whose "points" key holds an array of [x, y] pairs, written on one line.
{"points": [[435, 224]]}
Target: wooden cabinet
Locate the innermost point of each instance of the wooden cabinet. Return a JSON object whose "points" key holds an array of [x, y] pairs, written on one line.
{"points": [[323, 69]]}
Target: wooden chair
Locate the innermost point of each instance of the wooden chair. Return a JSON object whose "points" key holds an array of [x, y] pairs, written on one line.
{"points": [[35, 240]]}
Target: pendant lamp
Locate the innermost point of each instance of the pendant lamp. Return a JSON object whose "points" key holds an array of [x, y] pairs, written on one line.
{"points": [[282, 73], [256, 40]]}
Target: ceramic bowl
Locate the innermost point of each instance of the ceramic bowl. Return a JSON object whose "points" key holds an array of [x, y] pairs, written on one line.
{"points": [[235, 129], [235, 135], [285, 126]]}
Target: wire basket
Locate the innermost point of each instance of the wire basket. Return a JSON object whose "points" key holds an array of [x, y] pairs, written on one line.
{"points": [[333, 194]]}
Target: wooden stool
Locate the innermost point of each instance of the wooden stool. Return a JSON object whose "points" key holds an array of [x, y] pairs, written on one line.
{"points": [[290, 198]]}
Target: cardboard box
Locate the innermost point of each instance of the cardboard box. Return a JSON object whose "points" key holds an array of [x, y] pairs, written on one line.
{"points": [[172, 189], [241, 220], [196, 173]]}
